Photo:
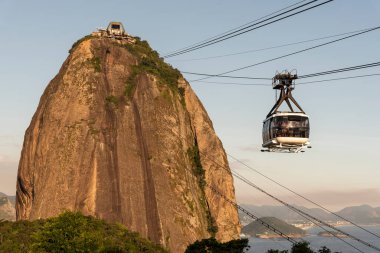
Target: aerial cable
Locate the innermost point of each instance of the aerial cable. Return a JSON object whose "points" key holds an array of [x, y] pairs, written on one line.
{"points": [[267, 225], [250, 214], [317, 81], [237, 28], [352, 68], [237, 77], [312, 219], [243, 32], [342, 78], [303, 214], [294, 208], [290, 54], [240, 32], [239, 84], [268, 48], [270, 227], [232, 31], [301, 196], [369, 65]]}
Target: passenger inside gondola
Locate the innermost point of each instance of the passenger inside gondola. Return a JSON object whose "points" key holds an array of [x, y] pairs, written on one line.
{"points": [[290, 127]]}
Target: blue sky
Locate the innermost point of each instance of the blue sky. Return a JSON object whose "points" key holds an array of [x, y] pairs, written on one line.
{"points": [[342, 167]]}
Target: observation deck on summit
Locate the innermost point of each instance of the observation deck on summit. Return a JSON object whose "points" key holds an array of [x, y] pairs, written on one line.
{"points": [[115, 30]]}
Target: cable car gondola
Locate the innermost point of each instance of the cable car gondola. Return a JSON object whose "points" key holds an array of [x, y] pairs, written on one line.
{"points": [[285, 131]]}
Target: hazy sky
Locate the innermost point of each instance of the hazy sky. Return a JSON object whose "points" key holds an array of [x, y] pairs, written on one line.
{"points": [[342, 167]]}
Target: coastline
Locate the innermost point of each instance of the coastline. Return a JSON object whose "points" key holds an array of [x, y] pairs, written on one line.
{"points": [[332, 234], [275, 236]]}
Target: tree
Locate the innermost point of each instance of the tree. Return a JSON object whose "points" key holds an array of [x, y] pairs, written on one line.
{"points": [[68, 233], [324, 249], [301, 247], [211, 245], [74, 232]]}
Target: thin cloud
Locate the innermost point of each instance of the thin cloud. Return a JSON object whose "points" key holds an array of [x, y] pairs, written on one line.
{"points": [[8, 174], [350, 197], [237, 165], [252, 148], [9, 141], [4, 159]]}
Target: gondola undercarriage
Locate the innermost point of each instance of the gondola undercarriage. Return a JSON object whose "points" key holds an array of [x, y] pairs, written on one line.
{"points": [[276, 145]]}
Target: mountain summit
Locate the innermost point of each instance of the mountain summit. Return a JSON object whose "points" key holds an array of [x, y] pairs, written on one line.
{"points": [[120, 135]]}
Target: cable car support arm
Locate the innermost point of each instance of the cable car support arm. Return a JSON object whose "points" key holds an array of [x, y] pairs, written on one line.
{"points": [[285, 83]]}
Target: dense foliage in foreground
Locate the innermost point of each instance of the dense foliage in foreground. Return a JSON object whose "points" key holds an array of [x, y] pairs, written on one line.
{"points": [[302, 247], [211, 245], [71, 232], [240, 246], [74, 232]]}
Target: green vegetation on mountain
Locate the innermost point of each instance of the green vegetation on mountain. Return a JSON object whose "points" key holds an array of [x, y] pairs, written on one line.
{"points": [[199, 172], [71, 232], [150, 63], [87, 37], [256, 228], [112, 100], [95, 63]]}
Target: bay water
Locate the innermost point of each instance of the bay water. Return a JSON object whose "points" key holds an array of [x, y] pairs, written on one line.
{"points": [[316, 242]]}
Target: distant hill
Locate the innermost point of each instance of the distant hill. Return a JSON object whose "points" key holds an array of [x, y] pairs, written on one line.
{"points": [[284, 213], [7, 207], [256, 229], [363, 214], [12, 199]]}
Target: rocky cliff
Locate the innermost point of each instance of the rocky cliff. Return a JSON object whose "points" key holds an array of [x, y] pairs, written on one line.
{"points": [[120, 135]]}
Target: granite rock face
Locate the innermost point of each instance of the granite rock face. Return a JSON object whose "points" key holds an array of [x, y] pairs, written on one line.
{"points": [[115, 137]]}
